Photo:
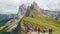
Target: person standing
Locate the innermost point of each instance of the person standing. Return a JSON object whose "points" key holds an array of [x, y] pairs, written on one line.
{"points": [[38, 29], [50, 31]]}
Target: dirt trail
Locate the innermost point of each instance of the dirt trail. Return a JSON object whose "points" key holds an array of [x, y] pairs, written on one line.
{"points": [[39, 33]]}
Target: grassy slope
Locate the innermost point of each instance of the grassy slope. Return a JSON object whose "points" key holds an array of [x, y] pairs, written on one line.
{"points": [[3, 31], [2, 18], [44, 22]]}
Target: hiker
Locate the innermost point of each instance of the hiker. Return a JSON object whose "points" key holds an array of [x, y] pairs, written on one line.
{"points": [[50, 31], [30, 30], [35, 28], [38, 29], [44, 31], [26, 26]]}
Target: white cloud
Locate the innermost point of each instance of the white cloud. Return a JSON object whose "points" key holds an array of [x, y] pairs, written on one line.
{"points": [[11, 6], [9, 2], [8, 11], [49, 4], [8, 6]]}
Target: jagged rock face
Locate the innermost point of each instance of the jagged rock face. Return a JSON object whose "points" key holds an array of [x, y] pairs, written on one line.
{"points": [[33, 10], [21, 13], [22, 9], [28, 11], [34, 6], [51, 14]]}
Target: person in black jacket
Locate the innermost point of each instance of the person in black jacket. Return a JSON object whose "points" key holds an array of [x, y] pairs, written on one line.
{"points": [[38, 29]]}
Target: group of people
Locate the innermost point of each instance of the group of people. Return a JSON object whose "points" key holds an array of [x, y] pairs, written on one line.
{"points": [[38, 29]]}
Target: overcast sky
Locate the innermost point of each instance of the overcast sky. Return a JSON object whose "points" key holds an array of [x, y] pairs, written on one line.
{"points": [[11, 6]]}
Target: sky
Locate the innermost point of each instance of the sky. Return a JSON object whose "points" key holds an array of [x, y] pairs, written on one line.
{"points": [[11, 6]]}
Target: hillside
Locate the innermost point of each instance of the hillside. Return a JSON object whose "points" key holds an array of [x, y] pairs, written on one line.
{"points": [[45, 23], [4, 19], [35, 18]]}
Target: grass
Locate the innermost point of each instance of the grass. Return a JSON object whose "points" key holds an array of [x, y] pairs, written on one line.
{"points": [[3, 20], [37, 20], [44, 22], [3, 31]]}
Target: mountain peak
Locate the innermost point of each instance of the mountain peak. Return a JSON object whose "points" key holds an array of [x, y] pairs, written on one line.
{"points": [[33, 10]]}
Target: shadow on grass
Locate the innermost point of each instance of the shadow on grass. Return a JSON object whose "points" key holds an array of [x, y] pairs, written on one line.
{"points": [[5, 33]]}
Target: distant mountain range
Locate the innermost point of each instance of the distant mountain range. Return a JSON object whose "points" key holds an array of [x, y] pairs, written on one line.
{"points": [[51, 14]]}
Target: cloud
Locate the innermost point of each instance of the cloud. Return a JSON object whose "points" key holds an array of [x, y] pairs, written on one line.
{"points": [[8, 6], [9, 2], [11, 6], [49, 4], [7, 11]]}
